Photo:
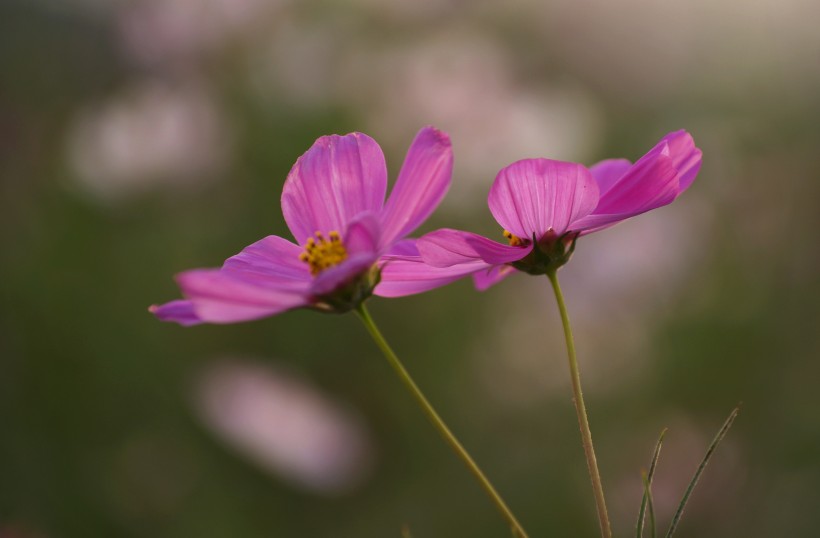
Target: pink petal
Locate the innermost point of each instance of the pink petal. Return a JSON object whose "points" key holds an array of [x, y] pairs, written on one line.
{"points": [[492, 276], [179, 311], [493, 252], [335, 180], [650, 183], [408, 274], [686, 158], [423, 180], [446, 247], [336, 276], [607, 172], [405, 247], [220, 297], [271, 259], [362, 235], [539, 195]]}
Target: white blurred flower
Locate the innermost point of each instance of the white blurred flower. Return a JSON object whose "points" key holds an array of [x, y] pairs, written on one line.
{"points": [[156, 31], [284, 425], [149, 136], [465, 85], [643, 50]]}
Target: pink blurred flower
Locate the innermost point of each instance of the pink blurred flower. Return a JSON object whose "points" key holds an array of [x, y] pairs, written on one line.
{"points": [[284, 424], [333, 203], [545, 205]]}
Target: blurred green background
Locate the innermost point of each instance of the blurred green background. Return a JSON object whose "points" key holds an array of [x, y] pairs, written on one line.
{"points": [[141, 138]]}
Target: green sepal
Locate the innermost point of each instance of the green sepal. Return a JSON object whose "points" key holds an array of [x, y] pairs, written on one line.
{"points": [[547, 255]]}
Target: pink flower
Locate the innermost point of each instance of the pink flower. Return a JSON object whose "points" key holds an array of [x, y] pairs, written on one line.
{"points": [[334, 204], [545, 205]]}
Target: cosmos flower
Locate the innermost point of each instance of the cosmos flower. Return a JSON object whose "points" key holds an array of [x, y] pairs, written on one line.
{"points": [[334, 204], [545, 205], [283, 423]]}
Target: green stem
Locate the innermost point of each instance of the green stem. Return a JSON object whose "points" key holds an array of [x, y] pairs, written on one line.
{"points": [[442, 428], [581, 411]]}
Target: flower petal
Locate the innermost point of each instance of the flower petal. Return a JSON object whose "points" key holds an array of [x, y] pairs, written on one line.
{"points": [[607, 172], [686, 158], [179, 311], [423, 180], [405, 247], [539, 195], [407, 274], [338, 275], [362, 235], [335, 180], [221, 297], [492, 276], [496, 253], [272, 259], [447, 247], [650, 183]]}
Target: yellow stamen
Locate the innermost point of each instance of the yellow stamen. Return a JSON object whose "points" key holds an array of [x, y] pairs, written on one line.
{"points": [[514, 241], [321, 253]]}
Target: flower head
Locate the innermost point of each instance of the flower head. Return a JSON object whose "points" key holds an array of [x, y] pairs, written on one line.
{"points": [[543, 206], [334, 204]]}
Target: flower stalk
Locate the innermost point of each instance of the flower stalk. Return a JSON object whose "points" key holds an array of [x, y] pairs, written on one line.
{"points": [[438, 423], [581, 411]]}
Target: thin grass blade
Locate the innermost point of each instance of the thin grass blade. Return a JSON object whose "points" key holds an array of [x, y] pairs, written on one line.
{"points": [[647, 490], [650, 506], [718, 438]]}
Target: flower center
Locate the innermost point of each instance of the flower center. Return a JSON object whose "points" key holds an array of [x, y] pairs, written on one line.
{"points": [[321, 253], [515, 241]]}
